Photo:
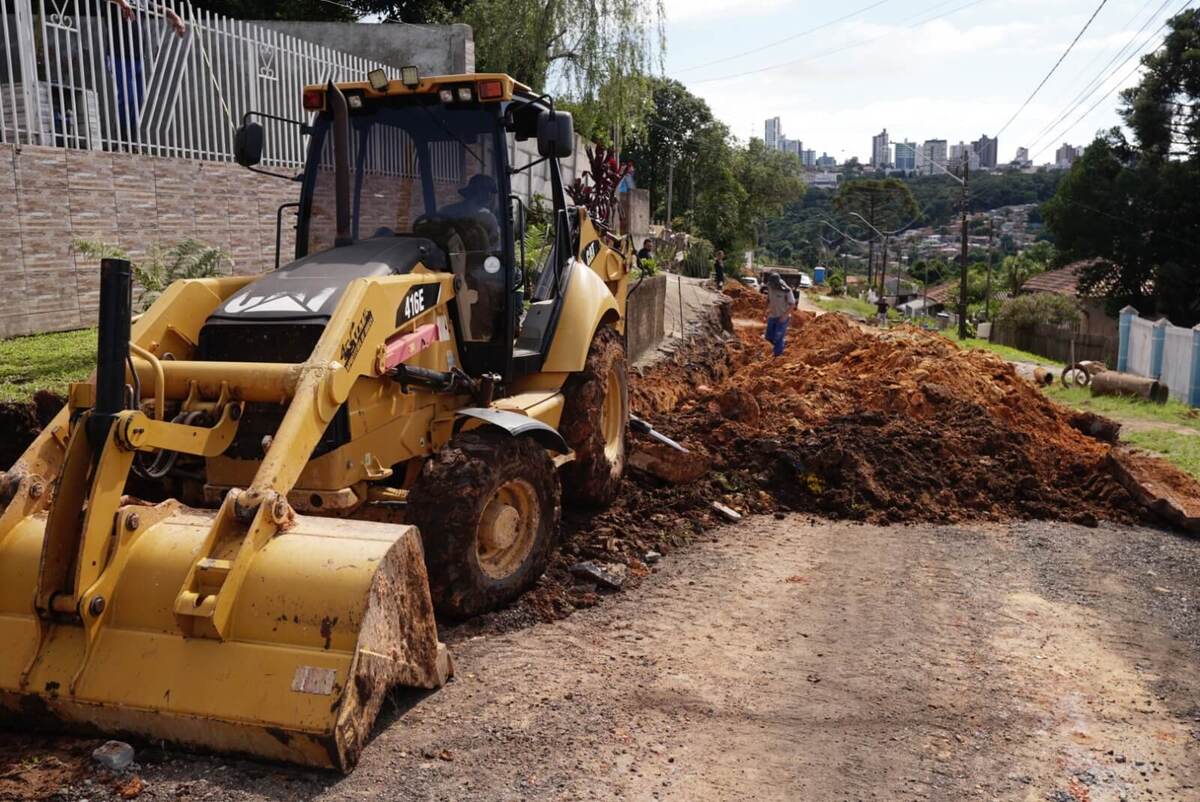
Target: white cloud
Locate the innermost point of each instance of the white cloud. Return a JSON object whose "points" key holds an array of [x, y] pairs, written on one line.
{"points": [[692, 10], [951, 78]]}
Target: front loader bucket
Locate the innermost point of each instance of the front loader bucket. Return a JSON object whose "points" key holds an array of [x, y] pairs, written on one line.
{"points": [[332, 613]]}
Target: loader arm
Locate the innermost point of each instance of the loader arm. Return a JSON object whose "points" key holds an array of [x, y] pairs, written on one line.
{"points": [[348, 350], [252, 630]]}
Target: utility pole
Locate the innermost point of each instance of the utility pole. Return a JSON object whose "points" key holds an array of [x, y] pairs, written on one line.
{"points": [[962, 275], [883, 271], [871, 264], [987, 295], [670, 190]]}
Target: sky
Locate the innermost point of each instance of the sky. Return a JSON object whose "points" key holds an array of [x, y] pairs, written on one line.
{"points": [[923, 69]]}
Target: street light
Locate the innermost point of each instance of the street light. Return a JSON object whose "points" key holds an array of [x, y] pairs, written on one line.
{"points": [[886, 235], [962, 276]]}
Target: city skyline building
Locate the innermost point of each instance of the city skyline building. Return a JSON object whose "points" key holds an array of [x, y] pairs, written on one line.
{"points": [[772, 131], [988, 150], [905, 157], [931, 156], [957, 152], [1065, 156], [881, 150]]}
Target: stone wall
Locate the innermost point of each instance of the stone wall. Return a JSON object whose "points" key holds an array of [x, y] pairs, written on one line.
{"points": [[50, 197], [644, 322]]}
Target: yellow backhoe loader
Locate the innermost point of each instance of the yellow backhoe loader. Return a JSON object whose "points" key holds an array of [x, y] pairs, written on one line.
{"points": [[236, 536]]}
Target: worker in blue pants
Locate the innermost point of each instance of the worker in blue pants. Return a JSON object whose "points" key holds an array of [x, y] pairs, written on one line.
{"points": [[780, 303]]}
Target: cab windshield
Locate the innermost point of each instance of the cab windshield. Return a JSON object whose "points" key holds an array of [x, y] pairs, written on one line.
{"points": [[420, 168]]}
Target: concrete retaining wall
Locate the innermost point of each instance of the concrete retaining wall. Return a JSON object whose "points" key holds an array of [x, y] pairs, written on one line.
{"points": [[644, 322], [50, 197]]}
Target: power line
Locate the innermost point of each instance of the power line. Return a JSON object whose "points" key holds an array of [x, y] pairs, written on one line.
{"points": [[794, 36], [1098, 80], [1136, 54], [1061, 58], [850, 46]]}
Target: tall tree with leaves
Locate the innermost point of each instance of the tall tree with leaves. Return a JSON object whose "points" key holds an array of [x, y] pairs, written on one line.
{"points": [[598, 52], [1133, 208], [668, 144]]}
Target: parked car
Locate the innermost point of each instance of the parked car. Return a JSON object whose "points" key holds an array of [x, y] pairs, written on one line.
{"points": [[806, 281], [751, 282]]}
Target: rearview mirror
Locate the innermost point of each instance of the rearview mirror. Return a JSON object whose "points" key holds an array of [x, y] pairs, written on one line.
{"points": [[556, 134], [248, 144]]}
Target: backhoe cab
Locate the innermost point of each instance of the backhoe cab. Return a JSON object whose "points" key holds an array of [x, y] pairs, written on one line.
{"points": [[330, 451]]}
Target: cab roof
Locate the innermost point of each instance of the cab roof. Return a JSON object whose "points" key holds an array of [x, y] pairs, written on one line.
{"points": [[432, 84]]}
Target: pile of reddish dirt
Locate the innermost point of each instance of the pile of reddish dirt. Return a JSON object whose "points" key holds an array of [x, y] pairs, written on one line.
{"points": [[897, 425], [850, 423]]}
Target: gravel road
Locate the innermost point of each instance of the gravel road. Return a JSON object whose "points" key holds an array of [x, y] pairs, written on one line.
{"points": [[786, 659]]}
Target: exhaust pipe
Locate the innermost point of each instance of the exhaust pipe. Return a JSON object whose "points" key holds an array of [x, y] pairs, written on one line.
{"points": [[341, 163], [112, 352]]}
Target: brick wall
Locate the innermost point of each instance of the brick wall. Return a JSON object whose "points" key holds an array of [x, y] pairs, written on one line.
{"points": [[50, 197]]}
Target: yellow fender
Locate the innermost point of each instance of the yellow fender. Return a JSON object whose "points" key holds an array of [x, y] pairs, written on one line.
{"points": [[588, 305]]}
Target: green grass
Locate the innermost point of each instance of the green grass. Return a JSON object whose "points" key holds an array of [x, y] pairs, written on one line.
{"points": [[852, 306], [45, 362], [1181, 449], [1002, 351], [1124, 408]]}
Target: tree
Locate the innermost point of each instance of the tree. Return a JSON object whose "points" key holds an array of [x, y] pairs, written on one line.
{"points": [[601, 53], [1018, 269], [771, 179], [669, 138], [1133, 208]]}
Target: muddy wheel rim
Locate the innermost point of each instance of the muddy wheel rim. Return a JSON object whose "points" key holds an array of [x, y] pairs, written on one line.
{"points": [[611, 414], [507, 529]]}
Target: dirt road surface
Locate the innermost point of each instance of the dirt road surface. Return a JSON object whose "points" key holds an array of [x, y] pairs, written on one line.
{"points": [[785, 659]]}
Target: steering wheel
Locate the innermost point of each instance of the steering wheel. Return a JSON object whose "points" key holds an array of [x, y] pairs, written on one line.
{"points": [[474, 234]]}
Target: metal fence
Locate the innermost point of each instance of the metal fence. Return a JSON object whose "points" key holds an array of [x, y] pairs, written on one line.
{"points": [[158, 78], [1158, 350]]}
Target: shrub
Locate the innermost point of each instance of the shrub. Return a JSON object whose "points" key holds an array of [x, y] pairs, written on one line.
{"points": [[698, 262], [161, 267], [1026, 311], [836, 285]]}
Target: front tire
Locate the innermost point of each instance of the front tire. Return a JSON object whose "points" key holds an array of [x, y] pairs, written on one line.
{"points": [[488, 507], [594, 422]]}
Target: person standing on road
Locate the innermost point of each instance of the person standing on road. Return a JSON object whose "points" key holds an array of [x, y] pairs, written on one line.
{"points": [[780, 303], [881, 306], [719, 269]]}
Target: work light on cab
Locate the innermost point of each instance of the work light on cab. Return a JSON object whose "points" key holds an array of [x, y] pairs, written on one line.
{"points": [[378, 79], [491, 90], [410, 76]]}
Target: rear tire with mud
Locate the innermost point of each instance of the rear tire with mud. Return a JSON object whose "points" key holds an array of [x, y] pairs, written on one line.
{"points": [[594, 422], [488, 507]]}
